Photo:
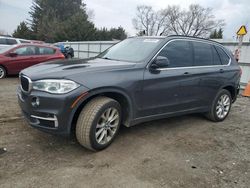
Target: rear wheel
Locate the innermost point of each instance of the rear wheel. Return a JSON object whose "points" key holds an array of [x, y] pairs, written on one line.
{"points": [[98, 123], [69, 56], [2, 72], [220, 107]]}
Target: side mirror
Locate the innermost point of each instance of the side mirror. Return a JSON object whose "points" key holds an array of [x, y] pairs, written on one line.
{"points": [[161, 62], [12, 54]]}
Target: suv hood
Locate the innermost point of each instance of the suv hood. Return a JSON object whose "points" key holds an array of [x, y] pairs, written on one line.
{"points": [[65, 68]]}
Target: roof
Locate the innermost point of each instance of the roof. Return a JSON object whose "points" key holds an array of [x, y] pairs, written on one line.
{"points": [[178, 36], [192, 37], [35, 44]]}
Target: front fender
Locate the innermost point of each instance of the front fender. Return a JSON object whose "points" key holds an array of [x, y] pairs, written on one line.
{"points": [[103, 92]]}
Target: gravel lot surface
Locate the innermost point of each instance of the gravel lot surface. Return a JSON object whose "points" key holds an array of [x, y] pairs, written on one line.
{"points": [[186, 151]]}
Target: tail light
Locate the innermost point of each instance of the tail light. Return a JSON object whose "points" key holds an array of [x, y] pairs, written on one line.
{"points": [[61, 55]]}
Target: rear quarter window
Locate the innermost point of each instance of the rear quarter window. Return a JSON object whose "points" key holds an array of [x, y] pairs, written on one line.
{"points": [[46, 51], [223, 56], [203, 55]]}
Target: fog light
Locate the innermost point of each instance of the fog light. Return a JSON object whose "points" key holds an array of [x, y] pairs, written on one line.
{"points": [[35, 102]]}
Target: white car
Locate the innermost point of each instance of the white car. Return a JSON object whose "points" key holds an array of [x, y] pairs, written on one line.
{"points": [[7, 41]]}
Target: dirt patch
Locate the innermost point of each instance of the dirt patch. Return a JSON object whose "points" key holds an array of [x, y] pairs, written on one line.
{"points": [[187, 151]]}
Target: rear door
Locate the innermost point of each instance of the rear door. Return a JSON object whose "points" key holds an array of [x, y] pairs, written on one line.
{"points": [[46, 54], [208, 66]]}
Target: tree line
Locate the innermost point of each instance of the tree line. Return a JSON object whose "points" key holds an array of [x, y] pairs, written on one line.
{"points": [[61, 20]]}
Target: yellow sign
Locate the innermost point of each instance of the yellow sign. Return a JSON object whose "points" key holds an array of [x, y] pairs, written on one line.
{"points": [[242, 30]]}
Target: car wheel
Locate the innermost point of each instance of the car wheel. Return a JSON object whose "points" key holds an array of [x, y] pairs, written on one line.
{"points": [[2, 72], [98, 123], [220, 107]]}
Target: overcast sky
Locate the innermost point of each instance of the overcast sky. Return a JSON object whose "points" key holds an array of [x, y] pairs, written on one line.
{"points": [[114, 13]]}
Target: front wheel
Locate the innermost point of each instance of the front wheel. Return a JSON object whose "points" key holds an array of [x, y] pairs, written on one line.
{"points": [[221, 106], [98, 123]]}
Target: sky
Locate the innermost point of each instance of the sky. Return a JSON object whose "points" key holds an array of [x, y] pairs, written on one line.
{"points": [[114, 13]]}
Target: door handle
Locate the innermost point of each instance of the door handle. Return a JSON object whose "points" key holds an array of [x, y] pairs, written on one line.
{"points": [[187, 73], [221, 70]]}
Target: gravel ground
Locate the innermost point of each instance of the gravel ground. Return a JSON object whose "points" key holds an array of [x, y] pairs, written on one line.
{"points": [[186, 151]]}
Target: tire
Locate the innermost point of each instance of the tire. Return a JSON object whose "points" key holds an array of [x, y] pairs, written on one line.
{"points": [[3, 72], [93, 123], [218, 113], [69, 56]]}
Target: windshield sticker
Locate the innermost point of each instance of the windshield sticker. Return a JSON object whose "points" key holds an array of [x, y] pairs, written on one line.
{"points": [[151, 40]]}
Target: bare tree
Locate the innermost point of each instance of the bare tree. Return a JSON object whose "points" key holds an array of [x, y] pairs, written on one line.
{"points": [[196, 21], [144, 19], [148, 20]]}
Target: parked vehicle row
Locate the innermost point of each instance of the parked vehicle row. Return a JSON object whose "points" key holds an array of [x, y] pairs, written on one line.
{"points": [[15, 58], [6, 41], [139, 79]]}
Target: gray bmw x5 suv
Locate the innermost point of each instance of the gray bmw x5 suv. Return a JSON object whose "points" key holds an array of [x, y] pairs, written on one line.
{"points": [[139, 79]]}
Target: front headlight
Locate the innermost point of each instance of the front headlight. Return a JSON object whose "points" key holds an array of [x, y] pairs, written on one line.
{"points": [[55, 86]]}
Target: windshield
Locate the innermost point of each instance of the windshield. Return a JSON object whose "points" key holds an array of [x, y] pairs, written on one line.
{"points": [[5, 49], [132, 49]]}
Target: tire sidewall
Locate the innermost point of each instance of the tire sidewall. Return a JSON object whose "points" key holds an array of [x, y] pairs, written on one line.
{"points": [[222, 92], [95, 145], [1, 67]]}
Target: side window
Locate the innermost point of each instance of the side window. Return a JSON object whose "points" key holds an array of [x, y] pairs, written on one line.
{"points": [[11, 41], [3, 41], [27, 50], [46, 51], [25, 41], [179, 54], [203, 55], [216, 57], [223, 56]]}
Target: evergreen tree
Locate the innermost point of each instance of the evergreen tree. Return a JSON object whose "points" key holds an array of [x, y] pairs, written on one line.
{"points": [[23, 31], [213, 34], [216, 34], [61, 20], [220, 34], [118, 34], [112, 34]]}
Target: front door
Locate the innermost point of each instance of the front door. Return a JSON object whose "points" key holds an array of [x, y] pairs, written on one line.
{"points": [[175, 87], [24, 58]]}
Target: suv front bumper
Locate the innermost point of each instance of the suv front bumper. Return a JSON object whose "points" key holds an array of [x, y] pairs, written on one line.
{"points": [[53, 114]]}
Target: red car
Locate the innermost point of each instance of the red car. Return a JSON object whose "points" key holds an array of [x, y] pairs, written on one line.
{"points": [[17, 57]]}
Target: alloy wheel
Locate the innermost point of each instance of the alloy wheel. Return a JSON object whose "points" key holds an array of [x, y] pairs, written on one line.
{"points": [[223, 106], [2, 72], [107, 125]]}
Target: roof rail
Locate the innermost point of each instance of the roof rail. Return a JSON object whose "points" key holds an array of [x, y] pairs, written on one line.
{"points": [[185, 36]]}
